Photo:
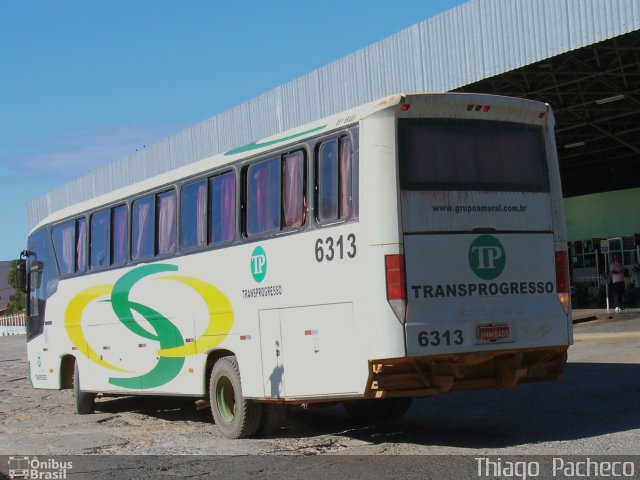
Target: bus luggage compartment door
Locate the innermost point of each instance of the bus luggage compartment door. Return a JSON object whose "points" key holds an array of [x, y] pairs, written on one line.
{"points": [[473, 292]]}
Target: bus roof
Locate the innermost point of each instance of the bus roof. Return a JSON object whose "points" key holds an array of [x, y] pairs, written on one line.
{"points": [[289, 137]]}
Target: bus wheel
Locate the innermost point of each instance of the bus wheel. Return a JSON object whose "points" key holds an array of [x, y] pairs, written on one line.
{"points": [[377, 409], [85, 401], [273, 418], [400, 406], [236, 416]]}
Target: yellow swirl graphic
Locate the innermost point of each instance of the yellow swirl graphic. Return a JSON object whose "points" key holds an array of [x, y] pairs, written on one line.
{"points": [[172, 348], [220, 318], [73, 318]]}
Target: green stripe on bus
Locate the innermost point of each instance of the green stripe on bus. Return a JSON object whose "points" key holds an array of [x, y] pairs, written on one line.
{"points": [[257, 145]]}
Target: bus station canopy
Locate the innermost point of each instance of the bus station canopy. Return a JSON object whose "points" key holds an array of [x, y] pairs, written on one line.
{"points": [[580, 56]]}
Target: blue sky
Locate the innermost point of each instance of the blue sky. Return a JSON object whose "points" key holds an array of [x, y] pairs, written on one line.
{"points": [[83, 83]]}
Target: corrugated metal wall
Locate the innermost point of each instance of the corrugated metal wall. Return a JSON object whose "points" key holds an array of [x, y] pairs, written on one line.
{"points": [[479, 39]]}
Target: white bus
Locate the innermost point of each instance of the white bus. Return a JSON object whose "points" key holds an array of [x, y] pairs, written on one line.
{"points": [[409, 247]]}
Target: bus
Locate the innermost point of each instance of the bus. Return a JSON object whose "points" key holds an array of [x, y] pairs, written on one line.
{"points": [[409, 247]]}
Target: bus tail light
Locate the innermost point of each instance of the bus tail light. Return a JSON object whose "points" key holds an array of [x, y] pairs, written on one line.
{"points": [[562, 279], [396, 285]]}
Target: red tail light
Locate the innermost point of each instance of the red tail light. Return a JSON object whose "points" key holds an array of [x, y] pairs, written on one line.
{"points": [[396, 287], [562, 272], [562, 279]]}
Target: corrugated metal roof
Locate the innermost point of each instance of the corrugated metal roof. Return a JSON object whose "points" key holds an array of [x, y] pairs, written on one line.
{"points": [[477, 40]]}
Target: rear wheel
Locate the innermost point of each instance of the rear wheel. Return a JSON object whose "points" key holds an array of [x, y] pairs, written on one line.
{"points": [[400, 406], [85, 401], [273, 418], [236, 416]]}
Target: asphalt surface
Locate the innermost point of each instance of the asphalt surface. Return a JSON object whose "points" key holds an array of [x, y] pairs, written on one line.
{"points": [[593, 410]]}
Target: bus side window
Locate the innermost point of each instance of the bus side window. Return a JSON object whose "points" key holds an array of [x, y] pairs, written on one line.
{"points": [[143, 220], [100, 231], [166, 222], [193, 215], [263, 197], [119, 230], [223, 207], [64, 244], [70, 245], [333, 180]]}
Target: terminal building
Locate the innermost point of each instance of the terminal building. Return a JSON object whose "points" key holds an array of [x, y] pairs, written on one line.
{"points": [[580, 56]]}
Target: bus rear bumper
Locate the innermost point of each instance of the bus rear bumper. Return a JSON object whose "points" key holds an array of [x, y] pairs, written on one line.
{"points": [[432, 375]]}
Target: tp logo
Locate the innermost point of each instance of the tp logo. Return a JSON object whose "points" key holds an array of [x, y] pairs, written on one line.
{"points": [[258, 264], [486, 257]]}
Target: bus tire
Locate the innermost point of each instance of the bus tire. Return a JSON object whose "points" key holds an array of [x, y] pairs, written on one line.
{"points": [[399, 406], [377, 409], [235, 416], [85, 401], [273, 418]]}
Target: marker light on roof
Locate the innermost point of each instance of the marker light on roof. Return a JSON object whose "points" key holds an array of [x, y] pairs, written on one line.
{"points": [[478, 108]]}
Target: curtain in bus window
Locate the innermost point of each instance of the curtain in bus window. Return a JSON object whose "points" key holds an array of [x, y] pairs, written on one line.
{"points": [[328, 181], [293, 195], [68, 248], [201, 215], [166, 223], [345, 177], [264, 197], [64, 237], [143, 228], [81, 245], [119, 236], [223, 207]]}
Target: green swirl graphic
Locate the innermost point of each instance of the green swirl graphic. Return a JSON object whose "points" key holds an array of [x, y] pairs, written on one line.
{"points": [[165, 332]]}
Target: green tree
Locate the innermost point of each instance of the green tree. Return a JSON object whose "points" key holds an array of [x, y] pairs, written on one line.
{"points": [[17, 301]]}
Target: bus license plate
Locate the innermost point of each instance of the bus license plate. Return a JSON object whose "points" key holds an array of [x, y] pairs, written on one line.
{"points": [[493, 333]]}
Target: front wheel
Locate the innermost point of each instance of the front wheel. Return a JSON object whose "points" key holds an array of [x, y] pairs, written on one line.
{"points": [[236, 416], [85, 401]]}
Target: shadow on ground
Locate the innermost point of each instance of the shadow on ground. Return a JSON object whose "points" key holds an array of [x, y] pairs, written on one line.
{"points": [[165, 408], [590, 400]]}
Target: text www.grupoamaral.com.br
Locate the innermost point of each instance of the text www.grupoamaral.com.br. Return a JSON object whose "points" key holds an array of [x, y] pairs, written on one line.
{"points": [[480, 208]]}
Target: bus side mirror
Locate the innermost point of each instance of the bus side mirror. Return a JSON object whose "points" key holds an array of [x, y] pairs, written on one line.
{"points": [[21, 276]]}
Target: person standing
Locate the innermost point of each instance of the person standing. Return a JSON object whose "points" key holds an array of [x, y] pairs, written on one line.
{"points": [[617, 281], [634, 292]]}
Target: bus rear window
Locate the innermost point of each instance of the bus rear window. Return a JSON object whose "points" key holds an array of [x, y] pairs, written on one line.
{"points": [[477, 155]]}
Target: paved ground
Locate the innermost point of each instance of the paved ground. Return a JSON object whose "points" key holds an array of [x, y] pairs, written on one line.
{"points": [[610, 338], [593, 409]]}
